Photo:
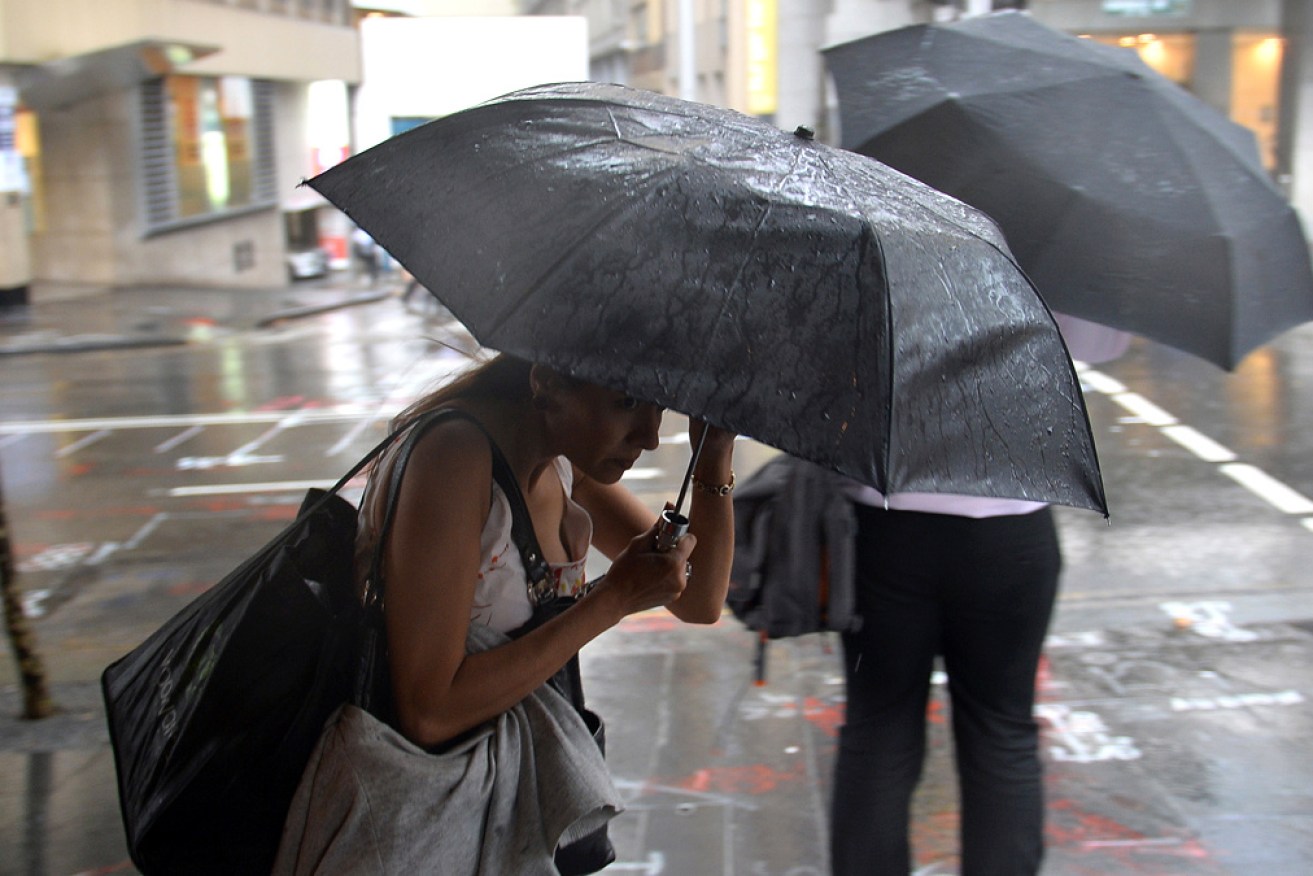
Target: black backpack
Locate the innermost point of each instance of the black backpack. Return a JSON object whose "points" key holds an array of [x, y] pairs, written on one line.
{"points": [[794, 534]]}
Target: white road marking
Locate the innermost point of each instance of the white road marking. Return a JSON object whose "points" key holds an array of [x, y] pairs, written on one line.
{"points": [[1131, 843], [146, 529], [1144, 409], [1268, 488], [85, 441], [248, 449], [337, 413], [236, 460], [1261, 484], [238, 489], [1198, 443], [102, 553], [349, 438], [34, 603], [1237, 701], [59, 556], [1100, 382], [184, 435], [1280, 496], [1210, 618], [642, 474]]}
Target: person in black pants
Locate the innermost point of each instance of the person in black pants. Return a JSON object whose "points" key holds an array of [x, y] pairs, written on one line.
{"points": [[980, 592], [973, 580]]}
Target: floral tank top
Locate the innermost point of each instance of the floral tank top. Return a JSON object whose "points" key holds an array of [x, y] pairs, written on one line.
{"points": [[501, 595]]}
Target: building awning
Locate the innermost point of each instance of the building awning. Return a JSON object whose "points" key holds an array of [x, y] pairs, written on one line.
{"points": [[67, 81]]}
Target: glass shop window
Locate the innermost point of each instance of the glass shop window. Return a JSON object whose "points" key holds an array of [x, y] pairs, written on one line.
{"points": [[207, 148]]}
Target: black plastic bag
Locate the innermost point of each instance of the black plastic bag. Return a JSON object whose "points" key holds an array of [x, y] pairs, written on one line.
{"points": [[207, 759], [213, 717]]}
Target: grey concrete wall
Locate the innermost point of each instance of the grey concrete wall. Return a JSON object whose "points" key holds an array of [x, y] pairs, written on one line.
{"points": [[93, 232]]}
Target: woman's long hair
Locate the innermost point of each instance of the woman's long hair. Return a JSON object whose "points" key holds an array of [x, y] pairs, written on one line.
{"points": [[502, 377]]}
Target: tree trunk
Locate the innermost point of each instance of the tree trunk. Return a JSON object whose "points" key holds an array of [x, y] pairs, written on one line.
{"points": [[36, 694]]}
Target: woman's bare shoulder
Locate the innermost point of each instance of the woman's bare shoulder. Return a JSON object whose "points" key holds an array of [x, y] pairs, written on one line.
{"points": [[454, 447]]}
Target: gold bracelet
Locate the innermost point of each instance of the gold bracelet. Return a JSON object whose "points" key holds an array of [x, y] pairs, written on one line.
{"points": [[716, 489]]}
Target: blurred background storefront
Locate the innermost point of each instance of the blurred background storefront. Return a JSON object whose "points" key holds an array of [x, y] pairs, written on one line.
{"points": [[1228, 54], [161, 141], [1246, 59]]}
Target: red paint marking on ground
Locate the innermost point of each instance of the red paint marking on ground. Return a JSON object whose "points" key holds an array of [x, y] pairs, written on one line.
{"points": [[101, 871], [124, 511], [645, 623], [110, 512], [934, 838], [935, 712], [282, 403], [144, 472], [1171, 846], [1044, 677], [826, 717], [77, 469], [1070, 824], [188, 588], [277, 512], [753, 779], [220, 505]]}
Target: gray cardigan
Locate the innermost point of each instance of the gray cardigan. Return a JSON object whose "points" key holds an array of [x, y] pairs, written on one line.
{"points": [[499, 802]]}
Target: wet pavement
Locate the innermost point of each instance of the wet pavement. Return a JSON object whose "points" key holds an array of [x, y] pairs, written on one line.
{"points": [[151, 438]]}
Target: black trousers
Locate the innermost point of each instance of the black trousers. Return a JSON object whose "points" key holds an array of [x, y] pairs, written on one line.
{"points": [[979, 592]]}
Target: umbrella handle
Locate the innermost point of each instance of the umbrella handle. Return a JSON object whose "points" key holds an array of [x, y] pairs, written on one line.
{"points": [[674, 524]]}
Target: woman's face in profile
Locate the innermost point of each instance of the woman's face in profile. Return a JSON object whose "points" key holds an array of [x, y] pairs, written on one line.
{"points": [[605, 431]]}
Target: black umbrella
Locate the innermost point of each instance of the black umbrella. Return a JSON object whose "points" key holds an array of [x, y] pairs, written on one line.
{"points": [[1127, 200], [701, 259]]}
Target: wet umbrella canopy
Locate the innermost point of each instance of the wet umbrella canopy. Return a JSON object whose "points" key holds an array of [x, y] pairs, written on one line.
{"points": [[1127, 200], [694, 257]]}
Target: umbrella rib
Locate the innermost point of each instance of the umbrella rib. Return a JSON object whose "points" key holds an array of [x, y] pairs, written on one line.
{"points": [[515, 304], [756, 234], [506, 312], [885, 462]]}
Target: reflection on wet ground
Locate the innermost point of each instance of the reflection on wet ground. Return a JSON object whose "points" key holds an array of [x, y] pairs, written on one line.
{"points": [[1175, 691]]}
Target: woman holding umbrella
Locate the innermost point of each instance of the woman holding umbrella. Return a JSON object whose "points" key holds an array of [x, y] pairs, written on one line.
{"points": [[446, 563], [534, 450]]}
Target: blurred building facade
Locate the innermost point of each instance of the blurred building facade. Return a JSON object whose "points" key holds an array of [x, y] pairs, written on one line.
{"points": [[160, 141], [763, 56]]}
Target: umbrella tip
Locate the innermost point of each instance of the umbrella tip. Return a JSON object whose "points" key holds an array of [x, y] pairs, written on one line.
{"points": [[804, 132]]}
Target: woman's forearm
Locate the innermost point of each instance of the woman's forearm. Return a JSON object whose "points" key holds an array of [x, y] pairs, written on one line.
{"points": [[711, 519]]}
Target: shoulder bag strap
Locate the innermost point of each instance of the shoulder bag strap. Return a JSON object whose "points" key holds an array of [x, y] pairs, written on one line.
{"points": [[521, 523]]}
